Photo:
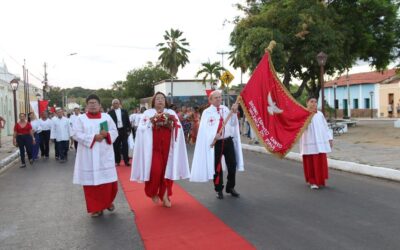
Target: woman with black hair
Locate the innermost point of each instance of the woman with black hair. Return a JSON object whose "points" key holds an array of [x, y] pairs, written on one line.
{"points": [[24, 139]]}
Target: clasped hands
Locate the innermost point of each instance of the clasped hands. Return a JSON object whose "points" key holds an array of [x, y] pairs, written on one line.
{"points": [[101, 136]]}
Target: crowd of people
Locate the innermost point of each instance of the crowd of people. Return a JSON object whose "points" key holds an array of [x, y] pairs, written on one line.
{"points": [[158, 154]]}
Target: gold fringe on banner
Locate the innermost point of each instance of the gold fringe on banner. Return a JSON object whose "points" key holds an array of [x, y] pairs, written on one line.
{"points": [[253, 125]]}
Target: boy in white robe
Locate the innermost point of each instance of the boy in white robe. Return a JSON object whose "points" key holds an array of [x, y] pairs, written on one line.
{"points": [[315, 143], [94, 164]]}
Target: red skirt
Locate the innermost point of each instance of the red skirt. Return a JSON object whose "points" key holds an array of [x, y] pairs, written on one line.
{"points": [[315, 168], [100, 197], [158, 185]]}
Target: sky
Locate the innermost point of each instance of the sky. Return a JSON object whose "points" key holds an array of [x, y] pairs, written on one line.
{"points": [[93, 44], [109, 38]]}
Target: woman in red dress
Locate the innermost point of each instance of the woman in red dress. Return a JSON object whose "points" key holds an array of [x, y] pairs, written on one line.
{"points": [[24, 139]]}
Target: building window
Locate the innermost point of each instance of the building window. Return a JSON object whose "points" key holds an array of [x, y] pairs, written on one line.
{"points": [[355, 103], [367, 103]]}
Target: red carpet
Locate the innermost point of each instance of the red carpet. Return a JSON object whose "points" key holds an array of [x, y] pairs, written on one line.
{"points": [[187, 225]]}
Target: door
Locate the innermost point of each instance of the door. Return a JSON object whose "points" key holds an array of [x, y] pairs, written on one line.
{"points": [[345, 111]]}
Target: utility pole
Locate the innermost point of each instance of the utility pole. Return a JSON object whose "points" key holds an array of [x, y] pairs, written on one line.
{"points": [[45, 82], [25, 92], [222, 53], [348, 95]]}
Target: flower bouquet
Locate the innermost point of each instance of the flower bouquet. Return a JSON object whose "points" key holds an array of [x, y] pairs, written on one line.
{"points": [[165, 120]]}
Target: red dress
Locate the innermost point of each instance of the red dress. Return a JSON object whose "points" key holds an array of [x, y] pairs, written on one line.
{"points": [[158, 185]]}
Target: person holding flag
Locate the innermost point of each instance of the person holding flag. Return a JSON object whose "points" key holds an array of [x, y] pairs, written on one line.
{"points": [[218, 140], [94, 165], [316, 141]]}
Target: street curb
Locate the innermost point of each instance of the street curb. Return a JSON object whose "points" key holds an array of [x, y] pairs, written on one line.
{"points": [[352, 167], [8, 161]]}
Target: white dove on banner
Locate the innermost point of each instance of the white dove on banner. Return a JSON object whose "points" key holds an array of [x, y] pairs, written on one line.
{"points": [[272, 108]]}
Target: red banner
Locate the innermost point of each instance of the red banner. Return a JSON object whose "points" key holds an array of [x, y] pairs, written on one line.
{"points": [[43, 106], [273, 113]]}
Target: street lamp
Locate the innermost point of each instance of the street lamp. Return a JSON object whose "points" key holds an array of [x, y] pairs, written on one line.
{"points": [[371, 93], [321, 59], [334, 97], [14, 86]]}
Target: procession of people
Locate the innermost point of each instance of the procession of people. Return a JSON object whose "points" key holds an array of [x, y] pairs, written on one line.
{"points": [[159, 155]]}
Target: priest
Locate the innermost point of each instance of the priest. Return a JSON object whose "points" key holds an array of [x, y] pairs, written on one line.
{"points": [[160, 155], [218, 145], [94, 165]]}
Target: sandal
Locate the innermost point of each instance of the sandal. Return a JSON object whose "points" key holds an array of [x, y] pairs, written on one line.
{"points": [[96, 214], [111, 208]]}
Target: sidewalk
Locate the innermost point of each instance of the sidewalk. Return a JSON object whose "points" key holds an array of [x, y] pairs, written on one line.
{"points": [[372, 142], [8, 152]]}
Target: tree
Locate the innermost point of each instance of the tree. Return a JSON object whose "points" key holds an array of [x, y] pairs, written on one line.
{"points": [[55, 96], [210, 70], [106, 96], [118, 88], [174, 53], [345, 30], [140, 82]]}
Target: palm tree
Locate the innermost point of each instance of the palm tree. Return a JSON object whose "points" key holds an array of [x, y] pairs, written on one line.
{"points": [[209, 70], [174, 54]]}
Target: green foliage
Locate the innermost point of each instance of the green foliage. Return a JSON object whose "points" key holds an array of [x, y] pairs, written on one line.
{"points": [[54, 96], [174, 53], [140, 82], [345, 30], [211, 71]]}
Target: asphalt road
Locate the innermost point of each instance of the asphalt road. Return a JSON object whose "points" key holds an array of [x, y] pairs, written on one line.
{"points": [[278, 211], [41, 209]]}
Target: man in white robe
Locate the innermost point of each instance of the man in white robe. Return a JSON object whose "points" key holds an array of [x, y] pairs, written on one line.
{"points": [[94, 164], [207, 159], [60, 133]]}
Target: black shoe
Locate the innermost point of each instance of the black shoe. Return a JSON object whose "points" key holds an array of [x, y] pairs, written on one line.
{"points": [[23, 166], [220, 195], [31, 161], [233, 193]]}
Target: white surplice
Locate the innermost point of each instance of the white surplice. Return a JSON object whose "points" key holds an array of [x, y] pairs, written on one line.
{"points": [[177, 165], [316, 137], [96, 165], [203, 158]]}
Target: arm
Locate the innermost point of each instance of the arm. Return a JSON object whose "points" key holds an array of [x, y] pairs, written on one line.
{"points": [[15, 136], [33, 137], [82, 137]]}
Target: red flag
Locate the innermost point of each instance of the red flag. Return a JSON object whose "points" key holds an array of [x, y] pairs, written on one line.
{"points": [[272, 111], [43, 106]]}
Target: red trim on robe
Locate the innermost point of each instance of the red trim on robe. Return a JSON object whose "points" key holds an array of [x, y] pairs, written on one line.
{"points": [[93, 115], [108, 139], [100, 197], [94, 140], [97, 116], [315, 168]]}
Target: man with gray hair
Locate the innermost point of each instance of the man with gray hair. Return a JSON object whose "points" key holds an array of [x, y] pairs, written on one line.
{"points": [[121, 120]]}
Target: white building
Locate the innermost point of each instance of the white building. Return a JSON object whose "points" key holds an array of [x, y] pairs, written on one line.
{"points": [[185, 92], [7, 99]]}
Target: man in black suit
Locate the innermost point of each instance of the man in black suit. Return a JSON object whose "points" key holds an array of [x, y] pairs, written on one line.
{"points": [[121, 119]]}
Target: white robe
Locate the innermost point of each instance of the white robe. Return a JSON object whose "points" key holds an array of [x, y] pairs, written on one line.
{"points": [[96, 165], [316, 137], [177, 165], [203, 158]]}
